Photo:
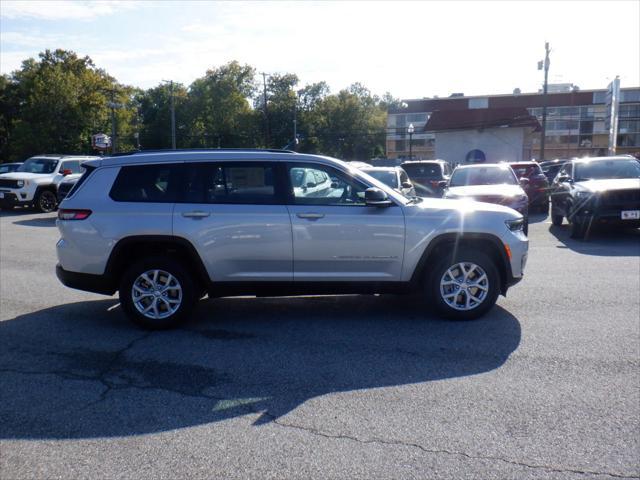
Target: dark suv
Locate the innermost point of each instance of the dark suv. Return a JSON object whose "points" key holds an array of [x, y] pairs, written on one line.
{"points": [[601, 190], [429, 177], [536, 187]]}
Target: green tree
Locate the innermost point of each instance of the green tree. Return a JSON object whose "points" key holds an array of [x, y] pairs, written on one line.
{"points": [[154, 110], [219, 111], [62, 100]]}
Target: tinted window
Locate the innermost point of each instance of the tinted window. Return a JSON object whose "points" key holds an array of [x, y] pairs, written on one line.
{"points": [[526, 170], [603, 169], [337, 189], [483, 176], [73, 165], [147, 183], [427, 170], [242, 184]]}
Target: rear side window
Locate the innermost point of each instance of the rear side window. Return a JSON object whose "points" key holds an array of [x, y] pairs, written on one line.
{"points": [[232, 183], [147, 183]]}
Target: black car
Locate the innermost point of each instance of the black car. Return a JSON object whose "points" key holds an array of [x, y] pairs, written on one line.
{"points": [[551, 167], [537, 187], [599, 190], [429, 177]]}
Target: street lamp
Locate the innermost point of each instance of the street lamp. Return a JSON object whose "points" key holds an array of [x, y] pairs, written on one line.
{"points": [[410, 131]]}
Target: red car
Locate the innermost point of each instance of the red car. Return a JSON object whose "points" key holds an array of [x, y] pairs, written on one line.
{"points": [[537, 189]]}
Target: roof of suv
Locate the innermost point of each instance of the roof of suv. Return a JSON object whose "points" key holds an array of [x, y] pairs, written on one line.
{"points": [[418, 162], [155, 156]]}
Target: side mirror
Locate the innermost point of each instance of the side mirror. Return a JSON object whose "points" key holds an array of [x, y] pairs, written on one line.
{"points": [[524, 182], [375, 197], [442, 183], [66, 172], [311, 185], [563, 178], [334, 185], [406, 185]]}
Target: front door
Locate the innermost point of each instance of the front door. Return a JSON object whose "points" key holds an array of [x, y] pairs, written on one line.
{"points": [[336, 236]]}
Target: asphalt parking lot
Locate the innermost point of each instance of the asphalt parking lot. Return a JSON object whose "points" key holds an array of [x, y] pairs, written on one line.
{"points": [[546, 386]]}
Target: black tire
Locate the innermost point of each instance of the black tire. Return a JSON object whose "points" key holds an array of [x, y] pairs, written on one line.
{"points": [[525, 226], [6, 208], [46, 201], [556, 218], [435, 275], [578, 229], [189, 292]]}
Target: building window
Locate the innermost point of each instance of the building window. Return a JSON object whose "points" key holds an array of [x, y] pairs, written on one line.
{"points": [[401, 120], [400, 145], [417, 118], [478, 103], [599, 97], [629, 140], [630, 95]]}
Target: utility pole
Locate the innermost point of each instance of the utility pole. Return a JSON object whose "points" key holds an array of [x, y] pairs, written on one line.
{"points": [[173, 114], [266, 111], [114, 129], [544, 99], [295, 123]]}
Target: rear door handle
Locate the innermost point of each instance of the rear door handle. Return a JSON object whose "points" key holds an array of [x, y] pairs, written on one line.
{"points": [[310, 216], [196, 214]]}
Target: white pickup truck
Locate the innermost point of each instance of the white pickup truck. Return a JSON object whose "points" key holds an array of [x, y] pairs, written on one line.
{"points": [[36, 181]]}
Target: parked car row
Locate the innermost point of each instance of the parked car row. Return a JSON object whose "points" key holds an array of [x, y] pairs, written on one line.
{"points": [[36, 182]]}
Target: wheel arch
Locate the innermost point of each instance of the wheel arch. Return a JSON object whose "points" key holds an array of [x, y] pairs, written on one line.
{"points": [[450, 242], [132, 248]]}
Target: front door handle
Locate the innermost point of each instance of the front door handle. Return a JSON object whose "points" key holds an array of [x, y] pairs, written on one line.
{"points": [[195, 214], [310, 216]]}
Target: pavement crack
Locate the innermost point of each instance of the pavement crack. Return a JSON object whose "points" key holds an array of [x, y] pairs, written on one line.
{"points": [[381, 441]]}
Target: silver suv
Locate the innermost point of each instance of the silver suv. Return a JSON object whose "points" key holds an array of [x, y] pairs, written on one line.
{"points": [[167, 228]]}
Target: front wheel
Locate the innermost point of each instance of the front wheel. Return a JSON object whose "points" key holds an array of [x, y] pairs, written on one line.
{"points": [[46, 201], [464, 286], [157, 293]]}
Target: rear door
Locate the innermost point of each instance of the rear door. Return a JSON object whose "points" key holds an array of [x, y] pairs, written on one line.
{"points": [[336, 236], [234, 214]]}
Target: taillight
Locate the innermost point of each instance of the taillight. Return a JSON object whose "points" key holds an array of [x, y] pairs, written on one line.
{"points": [[71, 214]]}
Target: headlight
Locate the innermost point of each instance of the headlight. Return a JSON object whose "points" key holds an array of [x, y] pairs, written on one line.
{"points": [[515, 225], [20, 183]]}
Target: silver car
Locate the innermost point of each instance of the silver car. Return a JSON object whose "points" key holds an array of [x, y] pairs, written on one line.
{"points": [[165, 229], [394, 177]]}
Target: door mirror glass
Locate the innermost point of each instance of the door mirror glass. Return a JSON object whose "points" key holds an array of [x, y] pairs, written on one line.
{"points": [[376, 197], [524, 181], [406, 185]]}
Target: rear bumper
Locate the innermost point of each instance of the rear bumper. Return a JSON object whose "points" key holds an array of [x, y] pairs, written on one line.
{"points": [[102, 284]]}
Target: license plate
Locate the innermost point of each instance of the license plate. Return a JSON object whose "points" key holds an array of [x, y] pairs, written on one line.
{"points": [[627, 214]]}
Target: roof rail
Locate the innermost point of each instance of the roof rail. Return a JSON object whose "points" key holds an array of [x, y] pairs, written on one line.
{"points": [[168, 150]]}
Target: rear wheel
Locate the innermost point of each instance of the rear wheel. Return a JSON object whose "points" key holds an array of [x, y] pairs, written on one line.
{"points": [[556, 219], [464, 286], [578, 228], [46, 201], [157, 293]]}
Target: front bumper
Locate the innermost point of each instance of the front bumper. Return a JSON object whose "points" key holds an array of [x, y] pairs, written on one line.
{"points": [[11, 199]]}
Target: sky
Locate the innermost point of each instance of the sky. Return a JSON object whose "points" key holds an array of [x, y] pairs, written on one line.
{"points": [[411, 49]]}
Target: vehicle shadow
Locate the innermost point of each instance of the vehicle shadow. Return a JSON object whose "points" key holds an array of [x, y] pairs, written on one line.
{"points": [[49, 221], [537, 217], [82, 371], [601, 242]]}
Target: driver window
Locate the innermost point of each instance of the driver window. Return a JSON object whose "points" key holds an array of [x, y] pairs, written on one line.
{"points": [[322, 185]]}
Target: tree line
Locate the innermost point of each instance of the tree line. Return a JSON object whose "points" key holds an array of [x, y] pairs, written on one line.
{"points": [[54, 104]]}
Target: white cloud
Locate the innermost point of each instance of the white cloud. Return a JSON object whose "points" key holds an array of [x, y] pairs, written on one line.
{"points": [[63, 9]]}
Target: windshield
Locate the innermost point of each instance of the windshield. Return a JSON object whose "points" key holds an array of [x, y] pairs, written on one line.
{"points": [[607, 169], [482, 176], [385, 176], [38, 165], [526, 170], [424, 170]]}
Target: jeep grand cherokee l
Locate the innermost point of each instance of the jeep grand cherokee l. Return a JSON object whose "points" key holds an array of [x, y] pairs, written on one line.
{"points": [[599, 190], [166, 228]]}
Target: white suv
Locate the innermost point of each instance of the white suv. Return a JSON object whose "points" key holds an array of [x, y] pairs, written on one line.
{"points": [[166, 228], [36, 181]]}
